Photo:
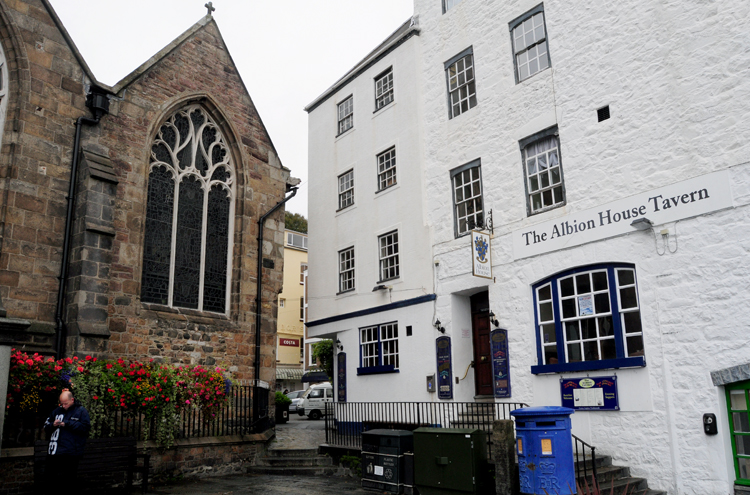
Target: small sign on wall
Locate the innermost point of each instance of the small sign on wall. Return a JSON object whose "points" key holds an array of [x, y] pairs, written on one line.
{"points": [[595, 393], [444, 368], [341, 376], [500, 363], [481, 256], [289, 342]]}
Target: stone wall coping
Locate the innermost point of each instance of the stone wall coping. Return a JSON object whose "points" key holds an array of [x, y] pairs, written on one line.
{"points": [[28, 452], [734, 374]]}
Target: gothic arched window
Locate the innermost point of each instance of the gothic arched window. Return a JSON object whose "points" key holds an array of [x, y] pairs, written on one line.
{"points": [[189, 215]]}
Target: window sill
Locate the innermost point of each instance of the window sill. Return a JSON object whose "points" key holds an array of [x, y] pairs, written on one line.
{"points": [[381, 282], [346, 132], [386, 189], [345, 208], [385, 107], [161, 308], [377, 370], [629, 362], [345, 292]]}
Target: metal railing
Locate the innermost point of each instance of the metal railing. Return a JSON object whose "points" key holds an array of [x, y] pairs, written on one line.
{"points": [[585, 464], [345, 421], [233, 418]]}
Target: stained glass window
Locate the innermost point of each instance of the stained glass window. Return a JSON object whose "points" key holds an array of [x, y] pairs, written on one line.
{"points": [[188, 214]]}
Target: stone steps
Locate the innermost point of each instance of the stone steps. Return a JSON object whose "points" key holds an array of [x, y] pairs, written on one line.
{"points": [[294, 462], [615, 480]]}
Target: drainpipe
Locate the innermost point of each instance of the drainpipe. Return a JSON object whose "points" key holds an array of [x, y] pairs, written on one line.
{"points": [[259, 298], [99, 104]]}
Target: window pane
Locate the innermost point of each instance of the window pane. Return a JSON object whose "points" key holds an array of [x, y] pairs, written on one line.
{"points": [[536, 201], [566, 287], [545, 179], [545, 293], [569, 308], [188, 245], [217, 245], [600, 280], [583, 284], [571, 330], [741, 422], [737, 398], [608, 349], [632, 322], [547, 196], [628, 298], [545, 311], [591, 351], [601, 303], [548, 333], [743, 444], [635, 345], [744, 464], [555, 173], [605, 326], [558, 194], [534, 183], [574, 353], [625, 277], [588, 328], [531, 164], [550, 354]]}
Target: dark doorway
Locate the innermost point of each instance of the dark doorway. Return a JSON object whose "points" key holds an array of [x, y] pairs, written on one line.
{"points": [[480, 327]]}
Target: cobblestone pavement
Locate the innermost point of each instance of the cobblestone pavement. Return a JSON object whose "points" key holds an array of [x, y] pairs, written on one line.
{"points": [[299, 433], [265, 485]]}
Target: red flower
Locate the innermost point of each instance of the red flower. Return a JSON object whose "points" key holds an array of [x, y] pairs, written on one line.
{"points": [[96, 397], [80, 369], [88, 358], [109, 366]]}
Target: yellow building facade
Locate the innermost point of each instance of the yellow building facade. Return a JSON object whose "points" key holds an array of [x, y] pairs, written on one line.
{"points": [[291, 315]]}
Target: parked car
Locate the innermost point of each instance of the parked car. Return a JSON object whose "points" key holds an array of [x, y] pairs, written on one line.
{"points": [[314, 399], [296, 396]]}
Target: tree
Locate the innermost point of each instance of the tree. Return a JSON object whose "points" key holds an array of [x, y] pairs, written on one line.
{"points": [[323, 354], [295, 222]]}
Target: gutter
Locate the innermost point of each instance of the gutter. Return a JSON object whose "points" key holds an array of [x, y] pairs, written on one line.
{"points": [[259, 292]]}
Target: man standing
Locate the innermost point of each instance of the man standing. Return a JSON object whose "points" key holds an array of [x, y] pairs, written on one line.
{"points": [[69, 426]]}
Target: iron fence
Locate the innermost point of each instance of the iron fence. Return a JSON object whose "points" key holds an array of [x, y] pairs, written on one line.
{"points": [[585, 463], [235, 417], [345, 421]]}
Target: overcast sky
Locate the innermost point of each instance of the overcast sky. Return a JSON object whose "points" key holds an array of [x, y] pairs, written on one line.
{"points": [[287, 51]]}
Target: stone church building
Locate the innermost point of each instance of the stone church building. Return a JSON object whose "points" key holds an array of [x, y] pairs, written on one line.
{"points": [[172, 169]]}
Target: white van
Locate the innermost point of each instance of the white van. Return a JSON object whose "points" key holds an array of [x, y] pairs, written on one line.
{"points": [[314, 399]]}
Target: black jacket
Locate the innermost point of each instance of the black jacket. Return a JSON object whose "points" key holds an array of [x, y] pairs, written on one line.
{"points": [[71, 439]]}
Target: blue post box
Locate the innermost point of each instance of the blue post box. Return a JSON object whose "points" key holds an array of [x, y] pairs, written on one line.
{"points": [[545, 450]]}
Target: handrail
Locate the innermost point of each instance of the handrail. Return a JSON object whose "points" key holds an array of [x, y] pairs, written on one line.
{"points": [[581, 460]]}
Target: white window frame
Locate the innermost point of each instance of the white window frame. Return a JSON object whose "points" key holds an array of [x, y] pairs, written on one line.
{"points": [[386, 169], [468, 201], [379, 349], [302, 309], [449, 4], [345, 112], [296, 240], [596, 325], [543, 171], [346, 270], [346, 189], [282, 302], [388, 255], [384, 89], [529, 40], [302, 270], [461, 80]]}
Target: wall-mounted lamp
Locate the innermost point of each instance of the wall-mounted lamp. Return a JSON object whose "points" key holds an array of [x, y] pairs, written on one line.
{"points": [[439, 328], [493, 320], [642, 223], [339, 346], [382, 287]]}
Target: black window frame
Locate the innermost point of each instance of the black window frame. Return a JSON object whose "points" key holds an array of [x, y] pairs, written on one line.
{"points": [[477, 163], [514, 24], [446, 66], [392, 91], [525, 143], [339, 120]]}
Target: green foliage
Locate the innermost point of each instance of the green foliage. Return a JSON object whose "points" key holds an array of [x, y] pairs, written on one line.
{"points": [[282, 399], [354, 463], [128, 389], [295, 222], [323, 354]]}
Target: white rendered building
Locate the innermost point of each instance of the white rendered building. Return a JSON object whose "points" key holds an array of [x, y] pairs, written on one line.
{"points": [[609, 141]]}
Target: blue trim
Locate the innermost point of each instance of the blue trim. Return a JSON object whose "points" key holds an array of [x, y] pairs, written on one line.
{"points": [[376, 309], [630, 362], [375, 370]]}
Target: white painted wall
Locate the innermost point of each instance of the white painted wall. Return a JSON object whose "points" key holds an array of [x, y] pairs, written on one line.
{"points": [[399, 207], [675, 75]]}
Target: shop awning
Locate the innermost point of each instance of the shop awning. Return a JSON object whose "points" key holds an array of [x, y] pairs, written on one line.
{"points": [[314, 376], [289, 373]]}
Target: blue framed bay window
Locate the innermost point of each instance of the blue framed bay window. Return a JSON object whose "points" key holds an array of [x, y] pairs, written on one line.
{"points": [[588, 318], [378, 349]]}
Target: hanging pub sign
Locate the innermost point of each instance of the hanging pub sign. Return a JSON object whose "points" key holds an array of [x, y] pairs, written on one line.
{"points": [[500, 364], [481, 257], [341, 376], [444, 368], [594, 393]]}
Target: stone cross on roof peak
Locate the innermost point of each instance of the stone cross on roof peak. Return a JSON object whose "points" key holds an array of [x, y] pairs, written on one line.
{"points": [[210, 7]]}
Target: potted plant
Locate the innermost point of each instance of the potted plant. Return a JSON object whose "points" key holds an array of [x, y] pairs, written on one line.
{"points": [[282, 408]]}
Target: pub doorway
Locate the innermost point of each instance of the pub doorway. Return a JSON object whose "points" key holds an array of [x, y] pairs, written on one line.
{"points": [[480, 329]]}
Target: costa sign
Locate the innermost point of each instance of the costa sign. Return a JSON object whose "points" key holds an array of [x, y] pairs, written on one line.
{"points": [[289, 342]]}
